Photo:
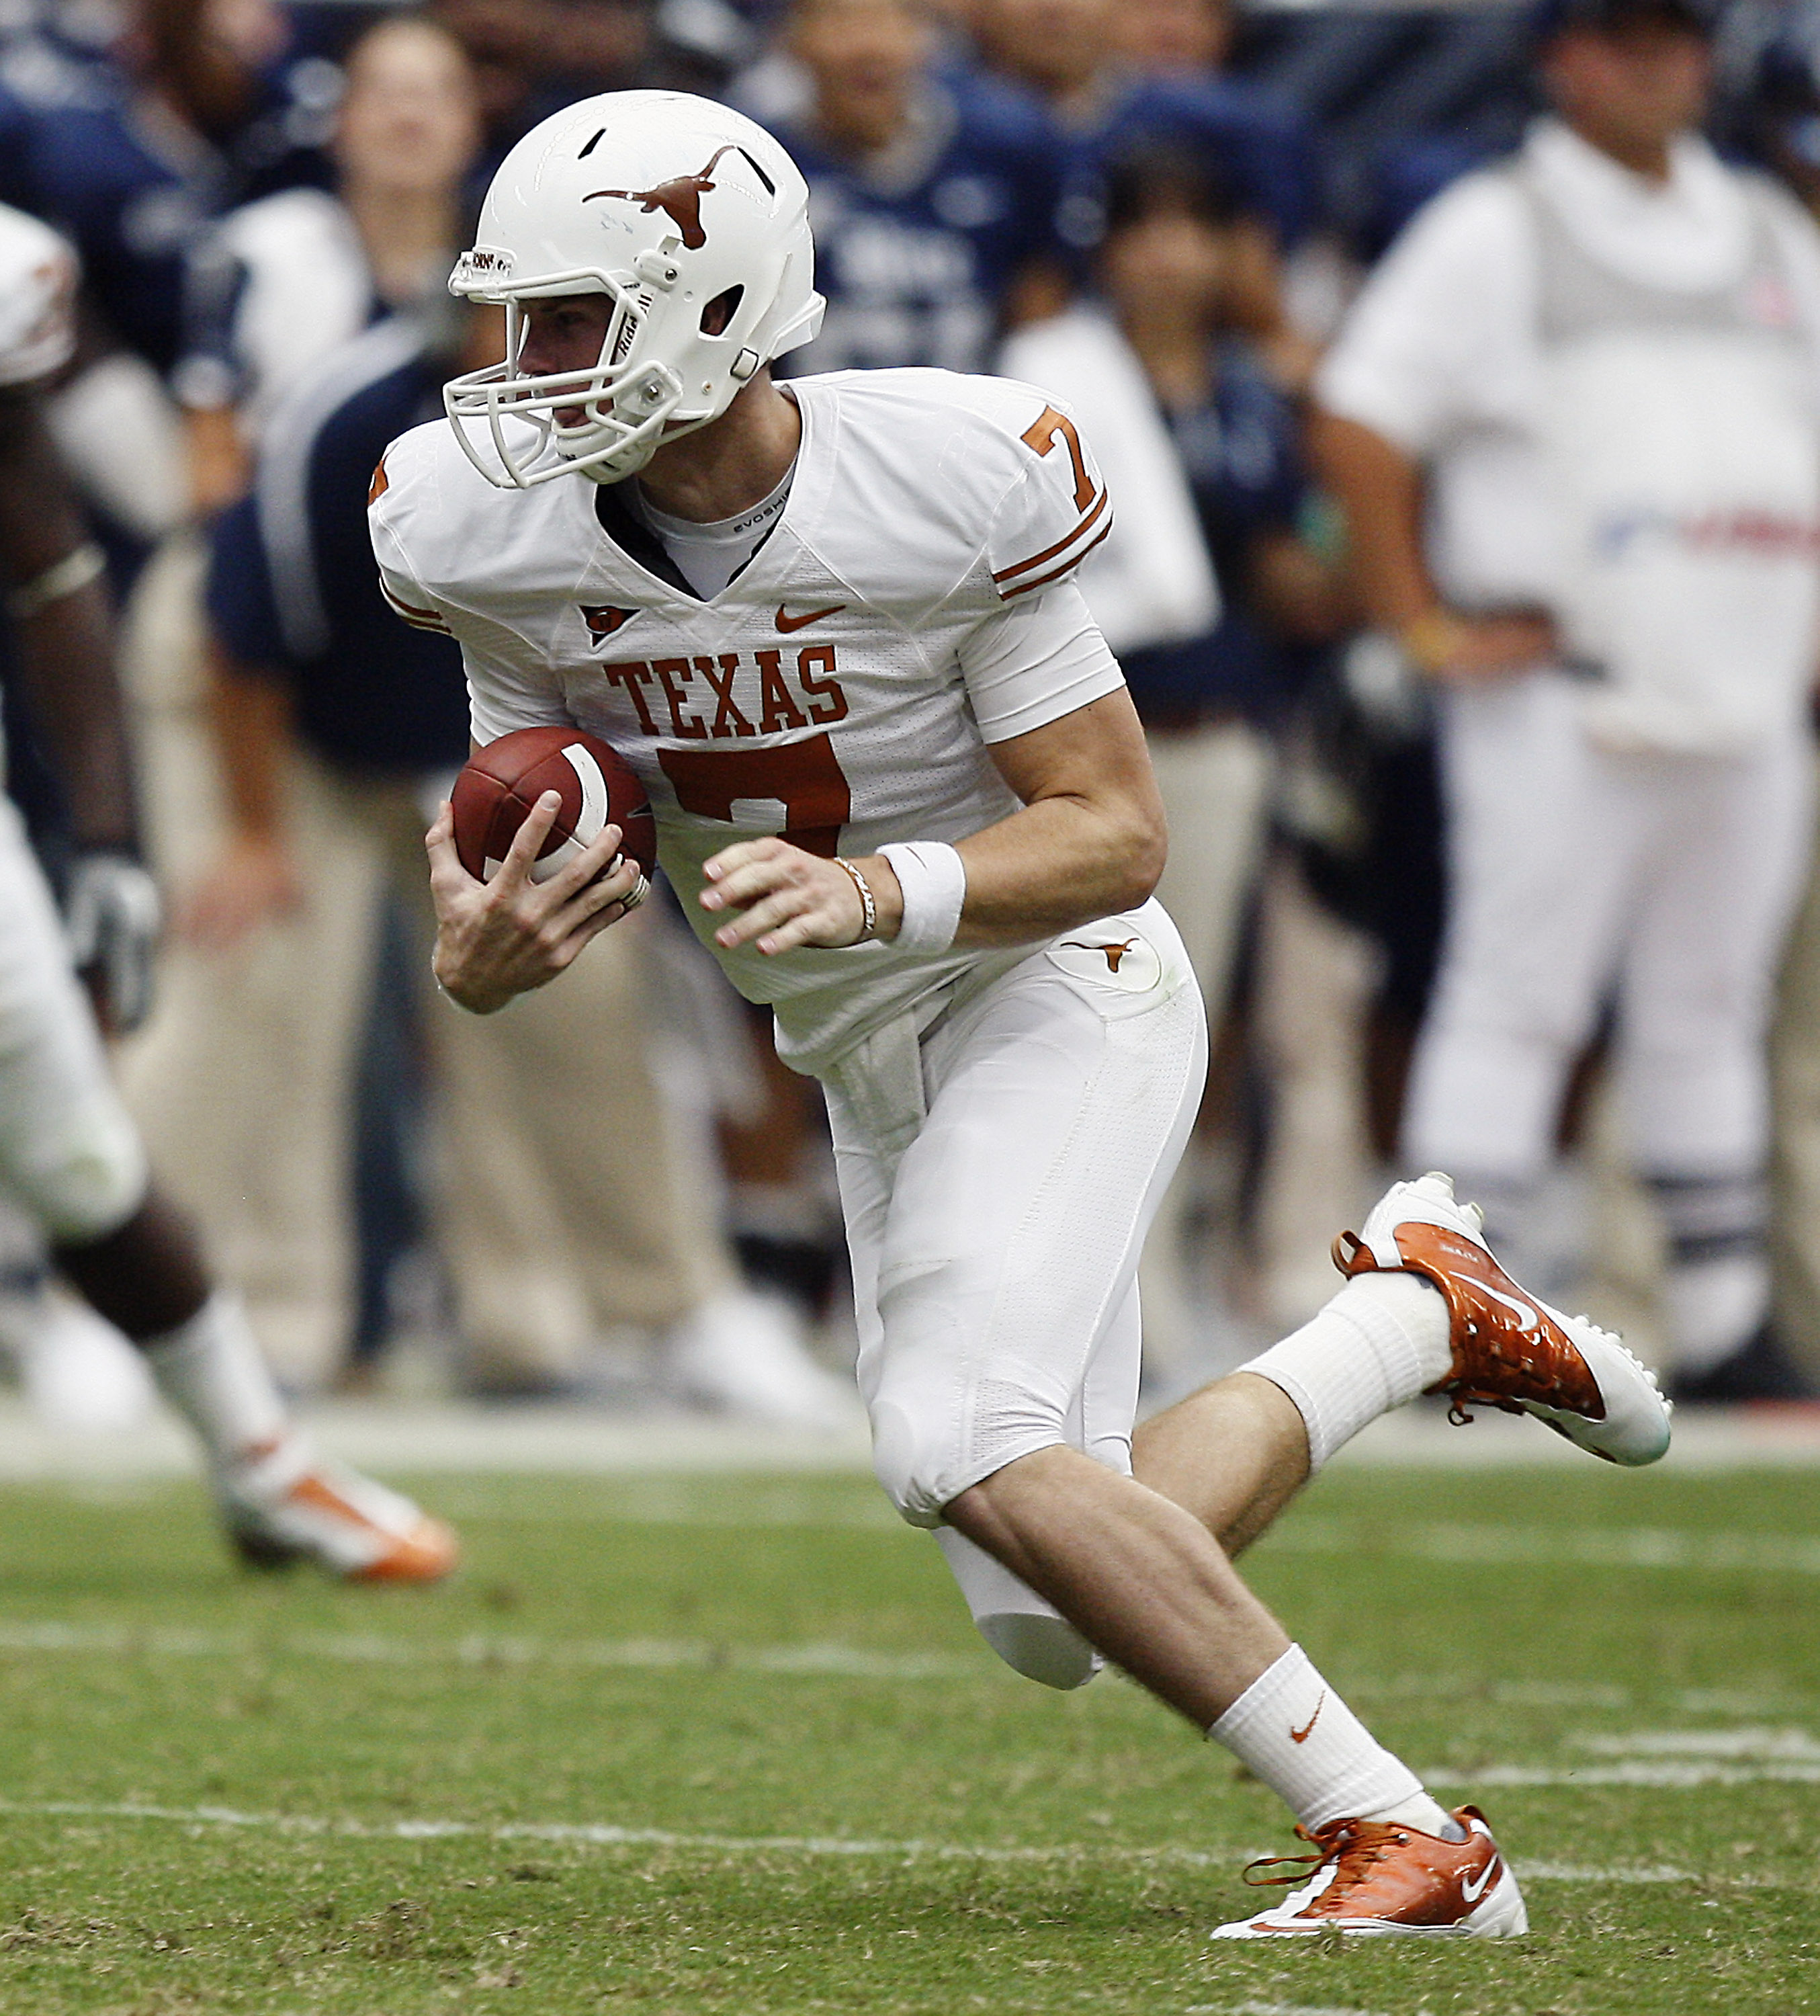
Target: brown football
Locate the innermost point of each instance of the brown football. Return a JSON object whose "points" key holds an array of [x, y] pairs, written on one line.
{"points": [[499, 786]]}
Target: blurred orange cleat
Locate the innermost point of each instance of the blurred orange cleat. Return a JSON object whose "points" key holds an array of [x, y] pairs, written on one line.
{"points": [[283, 1504], [1379, 1880], [1511, 1351]]}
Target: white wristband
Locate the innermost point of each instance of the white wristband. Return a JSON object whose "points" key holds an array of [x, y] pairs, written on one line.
{"points": [[934, 879]]}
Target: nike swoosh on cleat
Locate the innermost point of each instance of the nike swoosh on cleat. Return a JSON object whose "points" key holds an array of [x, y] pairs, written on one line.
{"points": [[1525, 1316], [1302, 1735], [1473, 1888], [788, 624]]}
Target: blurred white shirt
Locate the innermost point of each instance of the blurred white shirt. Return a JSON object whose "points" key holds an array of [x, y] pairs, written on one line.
{"points": [[1443, 354]]}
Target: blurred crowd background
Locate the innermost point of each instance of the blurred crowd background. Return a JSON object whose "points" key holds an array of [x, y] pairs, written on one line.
{"points": [[1162, 210]]}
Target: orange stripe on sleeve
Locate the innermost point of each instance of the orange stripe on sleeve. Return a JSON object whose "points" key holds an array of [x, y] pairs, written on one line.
{"points": [[1055, 573], [1049, 553]]}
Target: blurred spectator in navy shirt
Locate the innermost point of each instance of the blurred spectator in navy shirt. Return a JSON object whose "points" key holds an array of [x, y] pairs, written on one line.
{"points": [[934, 195], [277, 284], [129, 158], [1116, 79], [531, 57]]}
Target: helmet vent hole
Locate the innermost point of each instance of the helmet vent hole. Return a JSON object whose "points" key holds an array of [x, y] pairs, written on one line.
{"points": [[591, 145], [770, 186], [717, 316]]}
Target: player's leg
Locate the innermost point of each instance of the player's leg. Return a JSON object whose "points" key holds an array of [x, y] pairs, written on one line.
{"points": [[1543, 853], [1732, 847], [1027, 1633], [70, 1153], [1008, 1237]]}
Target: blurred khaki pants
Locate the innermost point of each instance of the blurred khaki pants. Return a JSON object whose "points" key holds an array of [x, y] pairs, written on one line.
{"points": [[568, 1197]]}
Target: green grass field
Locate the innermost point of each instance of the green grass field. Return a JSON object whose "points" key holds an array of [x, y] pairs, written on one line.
{"points": [[730, 1744]]}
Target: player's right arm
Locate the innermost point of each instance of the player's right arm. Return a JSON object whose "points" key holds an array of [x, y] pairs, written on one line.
{"points": [[500, 938]]}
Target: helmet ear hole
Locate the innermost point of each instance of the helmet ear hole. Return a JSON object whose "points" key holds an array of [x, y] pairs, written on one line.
{"points": [[717, 317]]}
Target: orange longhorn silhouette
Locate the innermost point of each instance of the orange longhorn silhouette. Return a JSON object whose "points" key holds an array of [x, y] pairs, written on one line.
{"points": [[679, 199]]}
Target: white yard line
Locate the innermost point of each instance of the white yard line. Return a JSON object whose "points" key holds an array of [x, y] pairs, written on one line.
{"points": [[55, 1637], [850, 1662], [1504, 1546], [1270, 2009], [1663, 1776], [601, 1834]]}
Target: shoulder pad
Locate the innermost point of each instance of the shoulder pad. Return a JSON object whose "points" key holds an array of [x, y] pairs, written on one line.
{"points": [[38, 286]]}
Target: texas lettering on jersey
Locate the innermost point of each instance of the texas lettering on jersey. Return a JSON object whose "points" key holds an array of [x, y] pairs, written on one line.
{"points": [[748, 693]]}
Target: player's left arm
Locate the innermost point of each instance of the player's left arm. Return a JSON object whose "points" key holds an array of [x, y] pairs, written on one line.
{"points": [[1089, 840], [58, 605]]}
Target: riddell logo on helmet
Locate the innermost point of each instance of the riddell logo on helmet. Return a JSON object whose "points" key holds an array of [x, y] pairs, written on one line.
{"points": [[680, 198], [485, 260]]}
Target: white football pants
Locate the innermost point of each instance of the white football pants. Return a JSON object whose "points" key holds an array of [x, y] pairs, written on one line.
{"points": [[1574, 871], [996, 1256], [69, 1153]]}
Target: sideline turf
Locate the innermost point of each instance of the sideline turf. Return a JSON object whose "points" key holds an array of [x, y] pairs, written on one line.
{"points": [[746, 1661]]}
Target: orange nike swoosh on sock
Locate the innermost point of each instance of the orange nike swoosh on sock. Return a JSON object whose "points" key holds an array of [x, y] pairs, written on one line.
{"points": [[1302, 1735]]}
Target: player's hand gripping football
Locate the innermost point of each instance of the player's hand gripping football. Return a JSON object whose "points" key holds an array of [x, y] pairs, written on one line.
{"points": [[785, 899], [498, 939]]}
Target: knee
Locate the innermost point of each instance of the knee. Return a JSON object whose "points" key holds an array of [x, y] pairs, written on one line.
{"points": [[1047, 1650], [909, 1459], [925, 1454], [89, 1179]]}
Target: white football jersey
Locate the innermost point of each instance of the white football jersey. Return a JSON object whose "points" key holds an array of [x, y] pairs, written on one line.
{"points": [[38, 288], [842, 690]]}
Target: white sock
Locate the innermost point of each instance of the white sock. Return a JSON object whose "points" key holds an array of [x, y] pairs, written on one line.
{"points": [[1381, 1341], [210, 1370], [1291, 1731]]}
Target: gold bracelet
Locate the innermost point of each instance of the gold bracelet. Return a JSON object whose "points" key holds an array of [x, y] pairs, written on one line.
{"points": [[1431, 640], [869, 921]]}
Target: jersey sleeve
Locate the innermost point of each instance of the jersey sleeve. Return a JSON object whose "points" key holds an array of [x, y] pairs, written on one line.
{"points": [[1055, 513], [502, 695], [404, 594], [1033, 663], [38, 288]]}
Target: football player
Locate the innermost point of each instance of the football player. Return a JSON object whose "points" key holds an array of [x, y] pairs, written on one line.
{"points": [[68, 1152], [902, 792]]}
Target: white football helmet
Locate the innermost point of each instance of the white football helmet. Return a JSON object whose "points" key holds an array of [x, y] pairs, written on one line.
{"points": [[666, 203]]}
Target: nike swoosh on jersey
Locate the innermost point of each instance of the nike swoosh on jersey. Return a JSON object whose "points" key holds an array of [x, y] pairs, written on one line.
{"points": [[787, 623], [1473, 1888], [1525, 1316], [1302, 1735]]}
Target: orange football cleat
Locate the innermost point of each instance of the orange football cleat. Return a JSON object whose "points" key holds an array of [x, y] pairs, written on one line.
{"points": [[281, 1504], [1384, 1882], [1511, 1351]]}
